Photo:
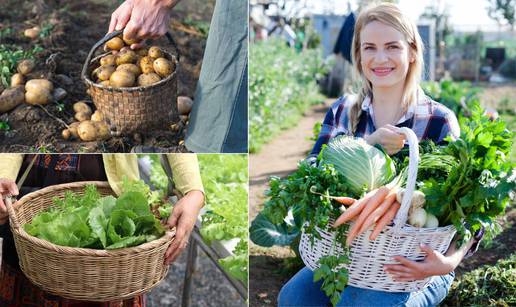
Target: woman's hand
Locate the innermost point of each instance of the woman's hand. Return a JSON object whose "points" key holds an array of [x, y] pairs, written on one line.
{"points": [[7, 187], [142, 19], [183, 217], [389, 137], [434, 264]]}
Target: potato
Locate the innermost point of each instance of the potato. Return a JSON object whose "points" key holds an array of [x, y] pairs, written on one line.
{"points": [[105, 83], [146, 64], [17, 79], [103, 131], [97, 116], [155, 52], [163, 67], [125, 57], [122, 78], [107, 60], [104, 72], [26, 66], [81, 106], [148, 79], [73, 129], [131, 41], [142, 52], [11, 98], [116, 43], [32, 33], [39, 85], [39, 96], [82, 116], [87, 131], [66, 134], [130, 67], [184, 105]]}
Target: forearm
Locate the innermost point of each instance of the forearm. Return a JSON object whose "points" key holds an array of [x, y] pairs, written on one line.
{"points": [[167, 3]]}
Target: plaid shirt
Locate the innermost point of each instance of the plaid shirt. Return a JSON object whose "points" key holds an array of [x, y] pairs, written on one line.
{"points": [[427, 118]]}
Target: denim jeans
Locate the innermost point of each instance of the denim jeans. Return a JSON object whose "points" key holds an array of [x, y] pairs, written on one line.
{"points": [[300, 290]]}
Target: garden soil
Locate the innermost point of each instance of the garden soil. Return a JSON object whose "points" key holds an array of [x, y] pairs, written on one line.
{"points": [[76, 27]]}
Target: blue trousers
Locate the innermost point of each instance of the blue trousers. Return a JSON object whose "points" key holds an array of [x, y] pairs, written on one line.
{"points": [[300, 290]]}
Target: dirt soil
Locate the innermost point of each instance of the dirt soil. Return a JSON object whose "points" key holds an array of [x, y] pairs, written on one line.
{"points": [[76, 27], [280, 157]]}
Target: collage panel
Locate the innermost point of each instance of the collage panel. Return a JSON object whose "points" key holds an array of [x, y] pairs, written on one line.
{"points": [[123, 229]]}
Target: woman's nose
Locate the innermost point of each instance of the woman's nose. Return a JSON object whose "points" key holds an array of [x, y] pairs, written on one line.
{"points": [[380, 56]]}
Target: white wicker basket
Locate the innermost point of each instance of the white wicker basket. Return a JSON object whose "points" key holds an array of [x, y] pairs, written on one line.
{"points": [[398, 239]]}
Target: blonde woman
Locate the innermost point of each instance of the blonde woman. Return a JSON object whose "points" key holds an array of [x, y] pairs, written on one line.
{"points": [[387, 55]]}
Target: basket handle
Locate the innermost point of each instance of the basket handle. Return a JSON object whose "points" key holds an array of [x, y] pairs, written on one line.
{"points": [[402, 215], [109, 36], [12, 214]]}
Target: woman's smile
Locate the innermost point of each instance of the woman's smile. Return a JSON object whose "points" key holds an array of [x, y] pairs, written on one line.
{"points": [[382, 71]]}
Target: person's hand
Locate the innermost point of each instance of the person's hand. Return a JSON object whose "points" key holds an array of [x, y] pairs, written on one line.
{"points": [[389, 137], [7, 187], [183, 217], [142, 19], [434, 264]]}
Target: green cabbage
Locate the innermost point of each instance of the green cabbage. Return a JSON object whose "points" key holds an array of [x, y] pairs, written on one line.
{"points": [[365, 167]]}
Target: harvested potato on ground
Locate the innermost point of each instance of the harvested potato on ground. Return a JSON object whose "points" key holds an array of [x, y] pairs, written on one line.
{"points": [[130, 67], [146, 64], [66, 134], [38, 97], [17, 79], [184, 105], [26, 66], [148, 79], [163, 67], [73, 129], [142, 52], [39, 85], [87, 131], [81, 106], [122, 78], [82, 116], [155, 52], [11, 98], [103, 131], [104, 72], [125, 57], [116, 43], [33, 32], [97, 116], [107, 60]]}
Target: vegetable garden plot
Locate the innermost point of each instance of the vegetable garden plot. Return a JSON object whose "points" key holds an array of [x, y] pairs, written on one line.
{"points": [[65, 34]]}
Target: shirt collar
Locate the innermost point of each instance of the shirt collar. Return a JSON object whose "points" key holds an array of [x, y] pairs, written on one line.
{"points": [[421, 98]]}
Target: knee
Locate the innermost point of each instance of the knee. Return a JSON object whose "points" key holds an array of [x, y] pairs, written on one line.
{"points": [[283, 295]]}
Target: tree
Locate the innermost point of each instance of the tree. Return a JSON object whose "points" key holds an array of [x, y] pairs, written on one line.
{"points": [[500, 10]]}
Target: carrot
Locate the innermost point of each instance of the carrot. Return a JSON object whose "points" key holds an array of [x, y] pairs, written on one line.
{"points": [[354, 210], [378, 212], [340, 199], [385, 220], [371, 205]]}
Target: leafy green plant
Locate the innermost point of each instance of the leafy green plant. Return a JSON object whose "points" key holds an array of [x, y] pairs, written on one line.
{"points": [[46, 30], [457, 96], [9, 58], [4, 126]]}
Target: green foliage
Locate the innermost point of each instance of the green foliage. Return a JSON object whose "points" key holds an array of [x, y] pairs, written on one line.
{"points": [[9, 58], [334, 277], [457, 96], [225, 180], [4, 126], [489, 285], [282, 84], [92, 221], [46, 30]]}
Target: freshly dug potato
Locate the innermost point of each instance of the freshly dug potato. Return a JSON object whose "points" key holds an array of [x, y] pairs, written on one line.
{"points": [[26, 66], [82, 116], [39, 85], [105, 83], [107, 60], [104, 72], [40, 96], [146, 64], [32, 33], [81, 106], [122, 78], [142, 52], [163, 67], [130, 67], [103, 131], [73, 129], [11, 98], [17, 79], [97, 116], [116, 43], [148, 79], [87, 131], [127, 56], [129, 42], [184, 105], [155, 52], [66, 134]]}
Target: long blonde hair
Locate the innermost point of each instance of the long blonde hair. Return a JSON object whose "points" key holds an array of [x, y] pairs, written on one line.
{"points": [[388, 14]]}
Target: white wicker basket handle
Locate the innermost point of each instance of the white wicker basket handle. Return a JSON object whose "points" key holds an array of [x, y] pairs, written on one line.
{"points": [[401, 216]]}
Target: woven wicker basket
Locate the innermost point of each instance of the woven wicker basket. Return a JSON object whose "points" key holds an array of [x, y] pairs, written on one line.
{"points": [[398, 239], [134, 109], [82, 273]]}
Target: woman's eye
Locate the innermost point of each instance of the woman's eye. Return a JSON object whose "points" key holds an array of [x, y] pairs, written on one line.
{"points": [[368, 48], [393, 47]]}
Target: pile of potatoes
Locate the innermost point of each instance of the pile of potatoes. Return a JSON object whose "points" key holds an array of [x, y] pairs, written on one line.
{"points": [[128, 68], [88, 127]]}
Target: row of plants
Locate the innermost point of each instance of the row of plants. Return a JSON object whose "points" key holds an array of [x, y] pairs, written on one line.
{"points": [[281, 87]]}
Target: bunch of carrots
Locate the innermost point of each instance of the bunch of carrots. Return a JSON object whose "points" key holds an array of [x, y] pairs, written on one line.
{"points": [[378, 206]]}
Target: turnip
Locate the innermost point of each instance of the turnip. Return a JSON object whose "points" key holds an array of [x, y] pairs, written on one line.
{"points": [[418, 217], [431, 221]]}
